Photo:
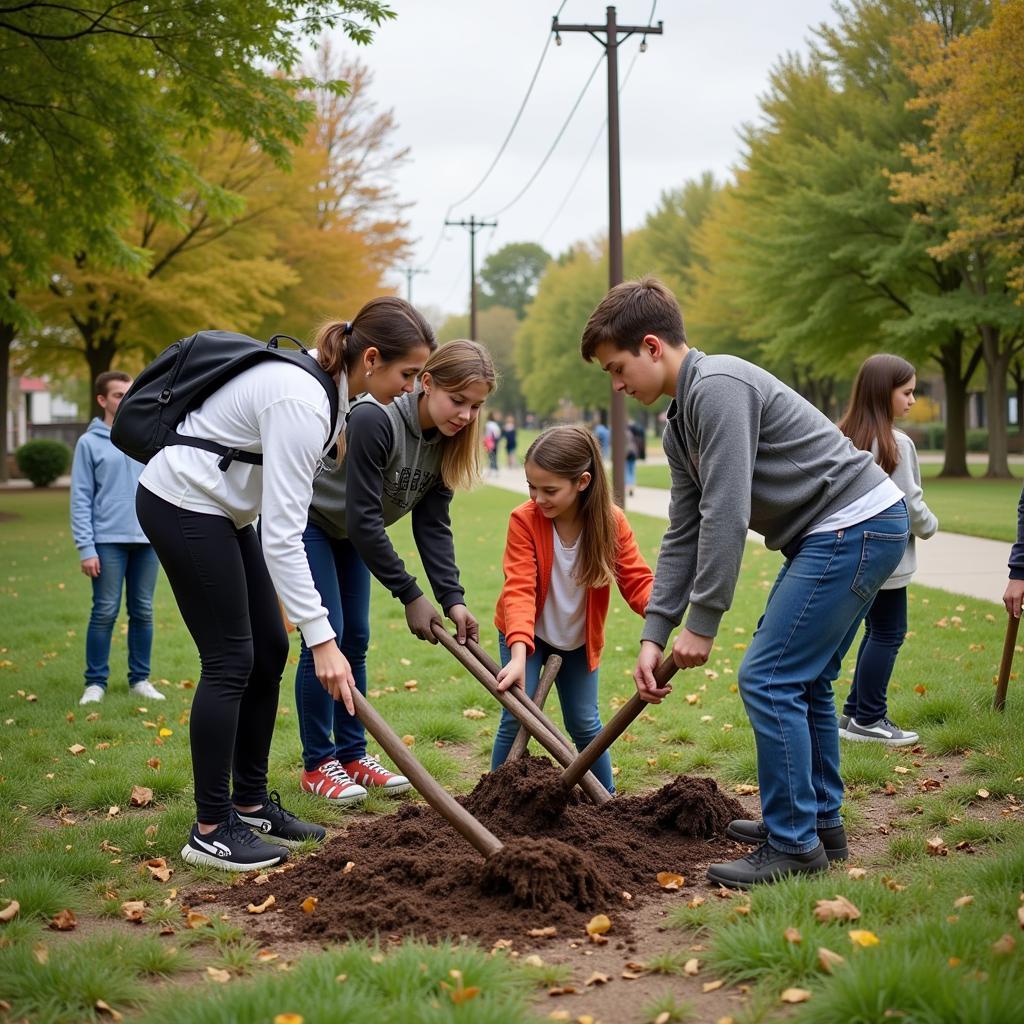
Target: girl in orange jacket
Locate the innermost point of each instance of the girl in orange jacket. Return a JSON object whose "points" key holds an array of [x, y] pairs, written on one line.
{"points": [[564, 548]]}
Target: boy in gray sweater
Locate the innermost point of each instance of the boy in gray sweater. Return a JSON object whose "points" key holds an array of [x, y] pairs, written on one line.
{"points": [[746, 451]]}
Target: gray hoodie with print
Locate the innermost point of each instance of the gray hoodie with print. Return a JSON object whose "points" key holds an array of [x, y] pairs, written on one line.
{"points": [[392, 467]]}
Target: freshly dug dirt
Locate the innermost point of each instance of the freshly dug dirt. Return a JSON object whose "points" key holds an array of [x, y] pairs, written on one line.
{"points": [[414, 875]]}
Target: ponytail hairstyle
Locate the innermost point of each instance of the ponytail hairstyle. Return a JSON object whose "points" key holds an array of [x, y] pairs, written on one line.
{"points": [[570, 452], [389, 324], [868, 419], [452, 367]]}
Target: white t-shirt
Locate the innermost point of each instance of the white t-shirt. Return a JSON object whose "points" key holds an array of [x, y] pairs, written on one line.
{"points": [[282, 412], [878, 499], [563, 619]]}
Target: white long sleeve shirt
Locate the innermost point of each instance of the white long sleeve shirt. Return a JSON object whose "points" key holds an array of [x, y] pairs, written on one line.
{"points": [[283, 413]]}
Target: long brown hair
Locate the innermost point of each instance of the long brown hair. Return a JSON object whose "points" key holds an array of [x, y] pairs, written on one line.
{"points": [[389, 324], [453, 367], [570, 452], [868, 419]]}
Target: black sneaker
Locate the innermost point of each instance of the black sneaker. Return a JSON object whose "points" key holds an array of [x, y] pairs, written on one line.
{"points": [[743, 830], [883, 731], [766, 864], [232, 846], [274, 821]]}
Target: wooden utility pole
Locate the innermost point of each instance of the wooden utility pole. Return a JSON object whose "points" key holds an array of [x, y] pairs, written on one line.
{"points": [[472, 226], [614, 34], [410, 273]]}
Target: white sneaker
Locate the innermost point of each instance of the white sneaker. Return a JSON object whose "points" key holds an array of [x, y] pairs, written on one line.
{"points": [[93, 695], [146, 689]]}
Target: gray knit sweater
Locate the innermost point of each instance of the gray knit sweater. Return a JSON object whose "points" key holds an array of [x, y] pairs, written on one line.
{"points": [[745, 451]]}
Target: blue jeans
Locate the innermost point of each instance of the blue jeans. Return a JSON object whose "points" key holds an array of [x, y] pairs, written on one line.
{"points": [[577, 695], [885, 627], [630, 471], [342, 580], [822, 593], [135, 566]]}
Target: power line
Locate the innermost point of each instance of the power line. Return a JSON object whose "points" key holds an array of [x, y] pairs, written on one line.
{"points": [[558, 138]]}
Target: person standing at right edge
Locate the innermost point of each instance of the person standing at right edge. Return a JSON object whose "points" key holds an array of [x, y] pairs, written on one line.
{"points": [[746, 451], [199, 519]]}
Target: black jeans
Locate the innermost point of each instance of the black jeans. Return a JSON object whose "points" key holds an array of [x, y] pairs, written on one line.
{"points": [[885, 627], [229, 605]]}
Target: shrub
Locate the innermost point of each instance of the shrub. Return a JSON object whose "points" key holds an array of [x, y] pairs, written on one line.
{"points": [[43, 461]]}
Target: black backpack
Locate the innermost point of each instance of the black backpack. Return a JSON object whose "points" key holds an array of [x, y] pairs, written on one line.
{"points": [[183, 376]]}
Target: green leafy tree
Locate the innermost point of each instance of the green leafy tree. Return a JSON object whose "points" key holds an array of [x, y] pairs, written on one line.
{"points": [[510, 275], [497, 328], [98, 100]]}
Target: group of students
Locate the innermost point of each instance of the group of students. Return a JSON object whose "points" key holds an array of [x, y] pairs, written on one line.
{"points": [[744, 451]]}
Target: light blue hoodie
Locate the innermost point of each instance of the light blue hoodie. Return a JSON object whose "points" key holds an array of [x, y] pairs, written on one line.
{"points": [[103, 485]]}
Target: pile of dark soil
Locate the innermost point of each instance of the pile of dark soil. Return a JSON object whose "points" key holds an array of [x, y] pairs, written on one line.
{"points": [[414, 875]]}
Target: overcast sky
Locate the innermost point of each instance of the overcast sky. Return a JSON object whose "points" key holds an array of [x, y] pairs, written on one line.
{"points": [[456, 71]]}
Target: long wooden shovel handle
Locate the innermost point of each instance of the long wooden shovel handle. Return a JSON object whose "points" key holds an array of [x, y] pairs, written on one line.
{"points": [[615, 728], [1003, 679], [536, 726], [482, 839], [531, 705], [548, 674]]}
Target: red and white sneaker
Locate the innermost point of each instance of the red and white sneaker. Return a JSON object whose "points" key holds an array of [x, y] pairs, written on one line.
{"points": [[369, 772], [330, 781]]}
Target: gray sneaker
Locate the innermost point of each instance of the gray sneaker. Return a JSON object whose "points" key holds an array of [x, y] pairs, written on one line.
{"points": [[882, 731], [844, 721]]}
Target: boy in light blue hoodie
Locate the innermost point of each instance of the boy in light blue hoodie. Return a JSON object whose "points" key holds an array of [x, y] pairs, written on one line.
{"points": [[112, 547]]}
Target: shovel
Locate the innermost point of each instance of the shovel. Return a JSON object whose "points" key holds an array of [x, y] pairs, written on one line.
{"points": [[525, 711], [1003, 679], [548, 674]]}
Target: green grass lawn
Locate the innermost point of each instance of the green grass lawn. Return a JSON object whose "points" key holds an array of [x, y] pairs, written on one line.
{"points": [[62, 847], [977, 507]]}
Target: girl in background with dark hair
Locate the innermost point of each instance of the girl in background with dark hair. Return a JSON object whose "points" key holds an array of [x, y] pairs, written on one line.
{"points": [[406, 458], [565, 546], [882, 392], [200, 519]]}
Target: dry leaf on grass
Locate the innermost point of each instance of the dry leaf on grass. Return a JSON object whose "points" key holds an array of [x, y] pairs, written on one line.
{"points": [[900, 770], [289, 1018], [113, 812], [193, 919], [712, 986], [697, 901], [164, 733], [936, 847], [669, 880], [793, 936], [663, 1018], [795, 995], [10, 912], [408, 740], [474, 713], [828, 961], [259, 908], [838, 909], [76, 749], [158, 869], [691, 967], [105, 1009], [63, 921], [1004, 945], [142, 796], [41, 954], [265, 956], [856, 873], [154, 763], [133, 910], [597, 978], [1020, 916], [216, 974], [983, 793], [963, 901], [861, 937]]}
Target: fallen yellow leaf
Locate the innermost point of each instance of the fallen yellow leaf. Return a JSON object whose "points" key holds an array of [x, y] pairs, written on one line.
{"points": [[543, 933], [165, 733], [691, 967], [133, 910], [216, 974], [474, 713], [668, 880], [599, 924], [712, 986], [860, 937], [936, 847], [289, 1018], [795, 995], [158, 869], [259, 908], [10, 912], [309, 904], [105, 1008]]}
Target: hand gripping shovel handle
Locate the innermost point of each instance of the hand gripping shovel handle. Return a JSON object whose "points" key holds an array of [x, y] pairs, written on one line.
{"points": [[615, 728], [525, 713], [482, 840], [1003, 679]]}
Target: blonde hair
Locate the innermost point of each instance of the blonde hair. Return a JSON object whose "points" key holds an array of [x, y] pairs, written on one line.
{"points": [[453, 367], [569, 452], [390, 325]]}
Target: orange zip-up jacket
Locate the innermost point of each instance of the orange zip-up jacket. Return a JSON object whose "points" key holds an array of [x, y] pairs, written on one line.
{"points": [[529, 553]]}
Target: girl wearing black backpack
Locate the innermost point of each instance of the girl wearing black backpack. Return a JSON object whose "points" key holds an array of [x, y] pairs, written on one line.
{"points": [[199, 519]]}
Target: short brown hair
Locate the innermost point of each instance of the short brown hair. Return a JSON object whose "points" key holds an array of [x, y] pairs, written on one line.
{"points": [[630, 311], [105, 379]]}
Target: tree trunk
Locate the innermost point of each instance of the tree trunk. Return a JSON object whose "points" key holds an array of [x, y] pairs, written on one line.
{"points": [[997, 363], [7, 333], [950, 359]]}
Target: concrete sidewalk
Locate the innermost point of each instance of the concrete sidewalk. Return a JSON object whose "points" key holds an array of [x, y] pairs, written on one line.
{"points": [[949, 561]]}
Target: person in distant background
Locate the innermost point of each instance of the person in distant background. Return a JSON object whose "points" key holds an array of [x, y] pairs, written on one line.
{"points": [[604, 438], [510, 440], [113, 549]]}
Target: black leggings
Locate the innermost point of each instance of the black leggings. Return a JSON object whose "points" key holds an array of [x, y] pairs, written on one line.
{"points": [[229, 605]]}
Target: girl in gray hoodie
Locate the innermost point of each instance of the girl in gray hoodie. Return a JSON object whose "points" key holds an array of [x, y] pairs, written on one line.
{"points": [[404, 458]]}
